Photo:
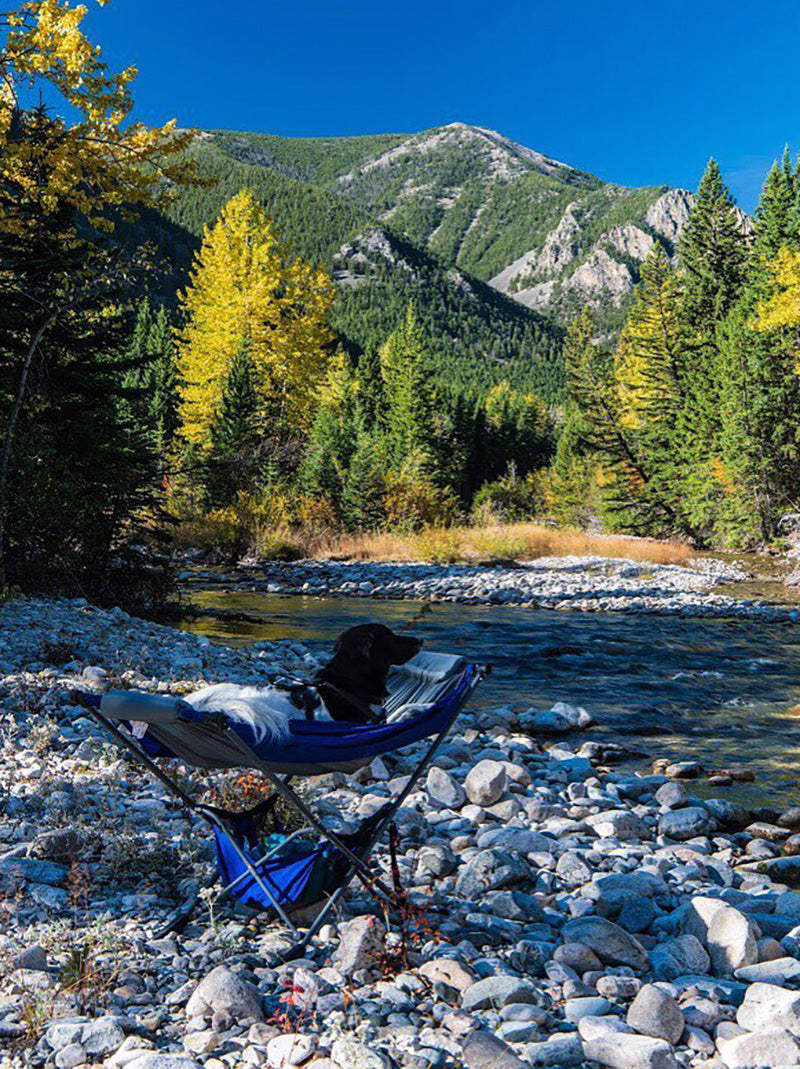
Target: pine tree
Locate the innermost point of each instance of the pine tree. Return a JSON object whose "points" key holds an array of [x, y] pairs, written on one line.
{"points": [[371, 397], [775, 224], [364, 487], [409, 403], [235, 434], [713, 250], [332, 442]]}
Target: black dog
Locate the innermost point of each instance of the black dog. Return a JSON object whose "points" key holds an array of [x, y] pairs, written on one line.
{"points": [[353, 683]]}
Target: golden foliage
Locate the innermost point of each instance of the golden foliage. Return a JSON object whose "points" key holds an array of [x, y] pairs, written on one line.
{"points": [[782, 308], [246, 290], [103, 162]]}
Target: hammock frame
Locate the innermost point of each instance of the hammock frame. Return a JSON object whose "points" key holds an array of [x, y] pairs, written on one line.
{"points": [[223, 821]]}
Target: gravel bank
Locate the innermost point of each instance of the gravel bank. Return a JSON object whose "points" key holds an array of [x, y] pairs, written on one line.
{"points": [[561, 913], [592, 584]]}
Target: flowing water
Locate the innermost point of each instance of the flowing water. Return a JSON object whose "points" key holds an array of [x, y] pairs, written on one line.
{"points": [[724, 692]]}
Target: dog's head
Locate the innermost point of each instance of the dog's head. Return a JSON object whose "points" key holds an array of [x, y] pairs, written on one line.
{"points": [[363, 656], [377, 646]]}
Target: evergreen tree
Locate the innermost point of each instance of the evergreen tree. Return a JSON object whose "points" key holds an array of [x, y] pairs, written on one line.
{"points": [[371, 397], [409, 403], [75, 477], [235, 434], [775, 223], [364, 487], [332, 442], [713, 252]]}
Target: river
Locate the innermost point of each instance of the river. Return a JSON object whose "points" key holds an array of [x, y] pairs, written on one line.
{"points": [[724, 692]]}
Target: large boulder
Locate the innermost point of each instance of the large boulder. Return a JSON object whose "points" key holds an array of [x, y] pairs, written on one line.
{"points": [[490, 870], [731, 937], [361, 941], [612, 944], [617, 1050], [222, 991], [684, 956], [655, 1013], [485, 783]]}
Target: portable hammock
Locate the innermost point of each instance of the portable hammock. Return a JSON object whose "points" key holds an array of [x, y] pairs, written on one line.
{"points": [[425, 698]]}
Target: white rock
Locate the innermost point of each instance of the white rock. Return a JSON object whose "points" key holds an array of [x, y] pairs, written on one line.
{"points": [[731, 937], [620, 1051], [766, 1006], [772, 1049], [291, 1049], [485, 783]]}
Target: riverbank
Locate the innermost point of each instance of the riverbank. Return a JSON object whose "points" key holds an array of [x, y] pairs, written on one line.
{"points": [[561, 912], [591, 584]]}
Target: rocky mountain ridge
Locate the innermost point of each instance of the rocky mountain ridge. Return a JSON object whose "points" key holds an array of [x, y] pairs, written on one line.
{"points": [[550, 236]]}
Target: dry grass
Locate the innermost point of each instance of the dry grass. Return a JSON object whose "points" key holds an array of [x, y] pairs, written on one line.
{"points": [[520, 541]]}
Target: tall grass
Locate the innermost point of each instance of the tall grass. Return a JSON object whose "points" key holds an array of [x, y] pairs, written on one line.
{"points": [[518, 541]]}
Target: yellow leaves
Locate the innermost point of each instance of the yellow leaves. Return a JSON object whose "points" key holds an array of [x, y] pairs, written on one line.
{"points": [[103, 160], [782, 308], [245, 289], [721, 475]]}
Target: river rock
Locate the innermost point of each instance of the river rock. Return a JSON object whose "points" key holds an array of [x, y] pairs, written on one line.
{"points": [[655, 1013], [361, 941], [771, 1049], [482, 1050], [620, 1051], [672, 795], [686, 823], [448, 971], [609, 942], [485, 783], [98, 1037], [292, 1049], [619, 824], [490, 870], [349, 1053], [559, 720], [222, 991], [498, 991], [443, 789], [684, 956], [730, 936], [159, 1060], [767, 1006]]}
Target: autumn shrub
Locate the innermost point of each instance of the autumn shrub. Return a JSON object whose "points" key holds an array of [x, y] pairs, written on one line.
{"points": [[509, 499], [414, 502]]}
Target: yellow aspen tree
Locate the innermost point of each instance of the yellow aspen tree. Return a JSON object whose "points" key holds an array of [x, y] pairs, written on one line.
{"points": [[245, 289], [782, 308], [103, 162]]}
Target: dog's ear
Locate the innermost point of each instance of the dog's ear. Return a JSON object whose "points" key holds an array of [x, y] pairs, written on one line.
{"points": [[356, 642]]}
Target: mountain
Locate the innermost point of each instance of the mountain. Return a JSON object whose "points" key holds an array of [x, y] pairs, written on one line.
{"points": [[496, 244]]}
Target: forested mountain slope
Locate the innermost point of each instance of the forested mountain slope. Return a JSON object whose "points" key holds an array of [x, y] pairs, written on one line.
{"points": [[496, 244], [549, 235]]}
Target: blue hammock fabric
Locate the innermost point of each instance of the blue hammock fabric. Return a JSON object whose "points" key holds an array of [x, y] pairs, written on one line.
{"points": [[296, 878], [313, 747]]}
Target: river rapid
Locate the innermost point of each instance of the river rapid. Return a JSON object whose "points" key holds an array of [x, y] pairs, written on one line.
{"points": [[723, 691]]}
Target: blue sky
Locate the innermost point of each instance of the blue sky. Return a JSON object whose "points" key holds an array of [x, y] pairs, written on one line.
{"points": [[635, 92]]}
